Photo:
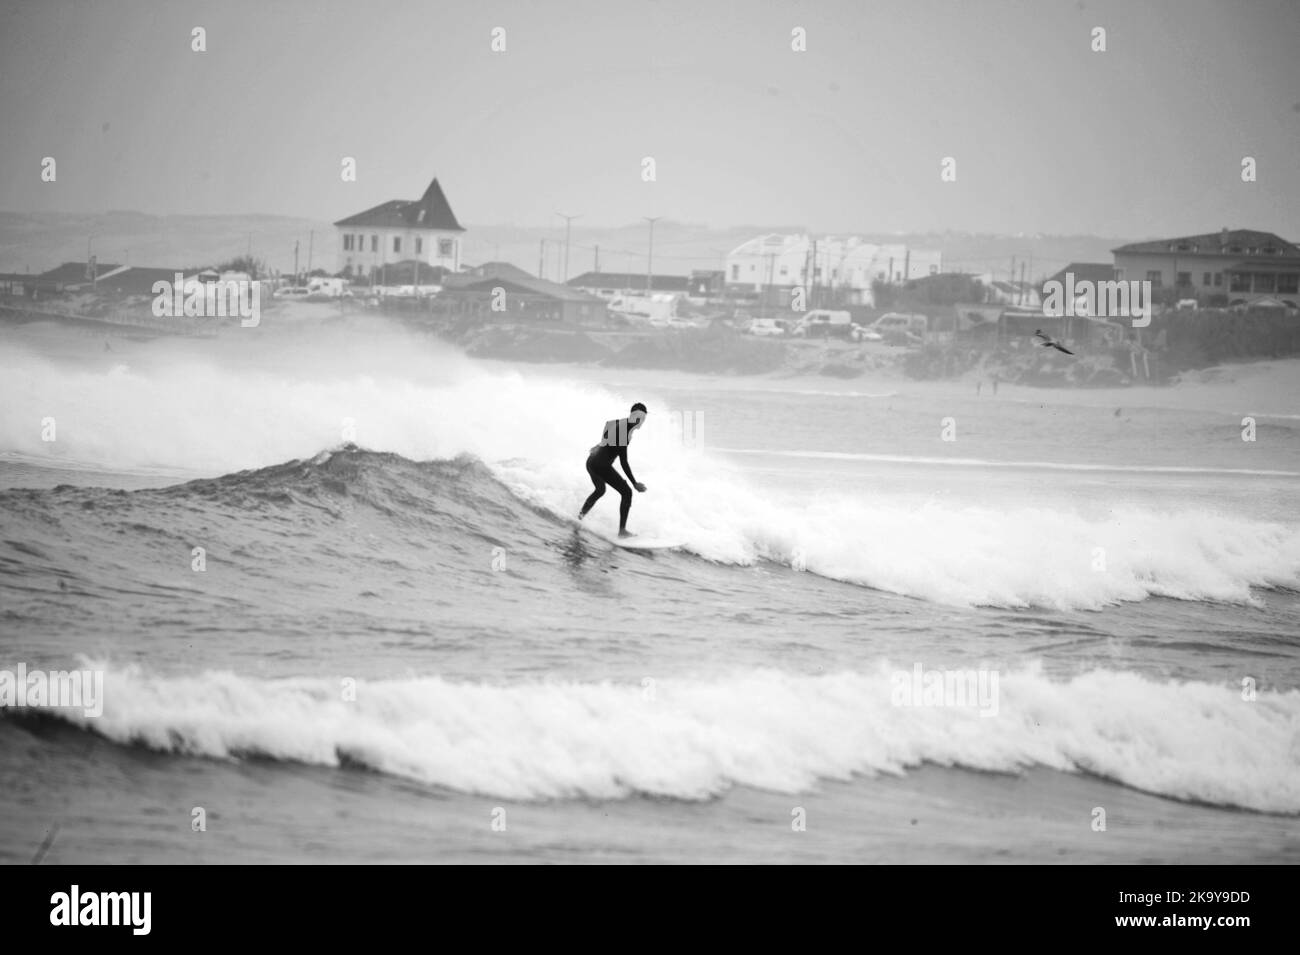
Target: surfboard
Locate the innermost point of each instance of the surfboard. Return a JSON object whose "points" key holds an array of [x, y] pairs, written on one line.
{"points": [[635, 542], [643, 543]]}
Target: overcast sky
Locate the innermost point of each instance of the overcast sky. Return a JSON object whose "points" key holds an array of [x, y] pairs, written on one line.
{"points": [[1146, 138]]}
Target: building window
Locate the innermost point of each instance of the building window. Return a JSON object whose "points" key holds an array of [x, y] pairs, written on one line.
{"points": [[1205, 278], [1288, 283], [347, 243], [934, 270], [784, 271], [1239, 282], [1265, 282], [1119, 275], [1218, 279], [445, 249], [419, 246], [1184, 278], [397, 243], [1154, 277], [374, 243], [735, 273]]}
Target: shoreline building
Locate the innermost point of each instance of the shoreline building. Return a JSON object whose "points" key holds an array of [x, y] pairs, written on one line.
{"points": [[525, 298], [1242, 265], [841, 267], [423, 230], [610, 285]]}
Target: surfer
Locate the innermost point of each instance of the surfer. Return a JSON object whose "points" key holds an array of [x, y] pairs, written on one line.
{"points": [[600, 465]]}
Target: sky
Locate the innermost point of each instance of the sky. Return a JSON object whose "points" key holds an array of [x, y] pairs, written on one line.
{"points": [[1048, 136]]}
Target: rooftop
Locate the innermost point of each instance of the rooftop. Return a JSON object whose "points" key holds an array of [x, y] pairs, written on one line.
{"points": [[1085, 271], [431, 211], [631, 281], [74, 273], [1225, 242]]}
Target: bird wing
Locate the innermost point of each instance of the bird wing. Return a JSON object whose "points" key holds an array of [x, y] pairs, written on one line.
{"points": [[1061, 348]]}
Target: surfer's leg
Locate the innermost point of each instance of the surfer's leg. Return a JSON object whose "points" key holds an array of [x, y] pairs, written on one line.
{"points": [[598, 479], [618, 484]]}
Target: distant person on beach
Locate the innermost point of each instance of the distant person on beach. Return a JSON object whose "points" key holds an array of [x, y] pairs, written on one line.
{"points": [[978, 386], [600, 465]]}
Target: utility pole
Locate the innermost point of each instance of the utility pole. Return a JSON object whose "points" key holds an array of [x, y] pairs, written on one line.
{"points": [[597, 269], [541, 261], [649, 259], [568, 220], [812, 276], [295, 261], [311, 241]]}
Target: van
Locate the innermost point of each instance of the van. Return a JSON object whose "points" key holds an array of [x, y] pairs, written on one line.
{"points": [[823, 323], [898, 328]]}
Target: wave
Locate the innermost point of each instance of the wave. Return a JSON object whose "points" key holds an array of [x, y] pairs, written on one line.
{"points": [[213, 414], [696, 738], [942, 552], [991, 463]]}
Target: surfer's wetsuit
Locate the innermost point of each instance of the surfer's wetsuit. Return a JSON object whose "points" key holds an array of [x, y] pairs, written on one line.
{"points": [[600, 465]]}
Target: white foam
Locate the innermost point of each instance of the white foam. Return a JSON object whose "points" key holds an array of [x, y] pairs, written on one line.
{"points": [[695, 738]]}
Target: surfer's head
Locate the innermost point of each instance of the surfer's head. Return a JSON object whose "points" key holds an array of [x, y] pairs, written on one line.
{"points": [[638, 415]]}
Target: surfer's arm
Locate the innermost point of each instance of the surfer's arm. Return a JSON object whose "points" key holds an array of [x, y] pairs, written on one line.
{"points": [[627, 468]]}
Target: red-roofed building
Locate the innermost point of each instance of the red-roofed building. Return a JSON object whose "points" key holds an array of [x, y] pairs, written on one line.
{"points": [[425, 229]]}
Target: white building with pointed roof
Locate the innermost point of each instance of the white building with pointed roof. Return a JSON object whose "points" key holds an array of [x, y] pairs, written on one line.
{"points": [[401, 230]]}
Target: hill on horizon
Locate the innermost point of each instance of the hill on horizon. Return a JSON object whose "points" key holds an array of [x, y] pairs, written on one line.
{"points": [[39, 241]]}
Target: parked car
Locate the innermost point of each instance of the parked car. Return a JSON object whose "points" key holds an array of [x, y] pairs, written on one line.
{"points": [[824, 323], [862, 333], [291, 291], [765, 327]]}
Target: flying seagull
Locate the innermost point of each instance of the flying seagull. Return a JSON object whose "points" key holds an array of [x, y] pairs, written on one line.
{"points": [[1047, 342]]}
